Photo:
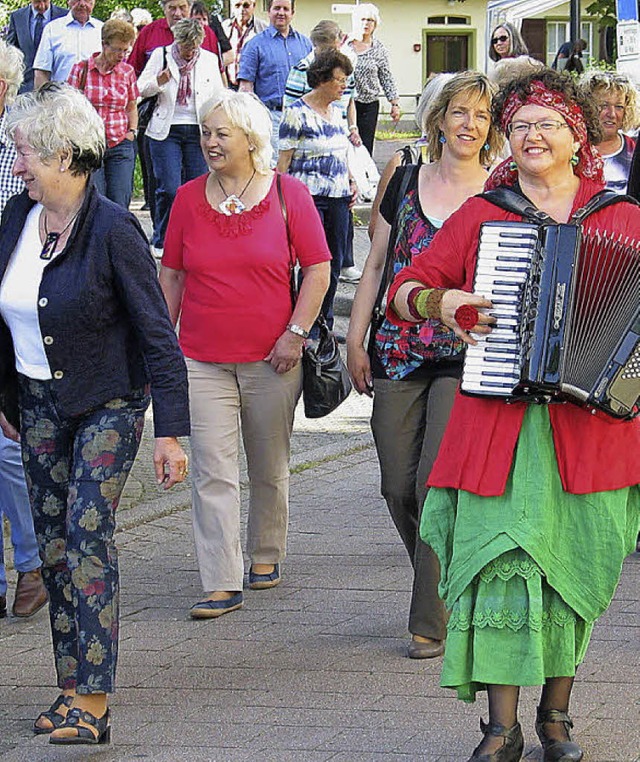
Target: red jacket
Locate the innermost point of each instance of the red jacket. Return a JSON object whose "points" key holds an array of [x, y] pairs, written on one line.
{"points": [[594, 452]]}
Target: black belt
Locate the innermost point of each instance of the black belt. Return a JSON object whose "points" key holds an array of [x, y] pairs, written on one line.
{"points": [[273, 106]]}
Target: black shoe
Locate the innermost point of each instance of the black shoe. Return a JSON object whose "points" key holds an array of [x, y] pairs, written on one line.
{"points": [[512, 744], [557, 751], [99, 731], [52, 715]]}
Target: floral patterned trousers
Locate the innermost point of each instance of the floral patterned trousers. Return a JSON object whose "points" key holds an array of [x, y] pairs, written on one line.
{"points": [[76, 468]]}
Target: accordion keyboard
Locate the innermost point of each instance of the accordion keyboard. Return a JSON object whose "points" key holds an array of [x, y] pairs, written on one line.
{"points": [[492, 366]]}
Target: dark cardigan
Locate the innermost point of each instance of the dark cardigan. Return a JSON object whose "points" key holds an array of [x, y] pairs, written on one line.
{"points": [[102, 307]]}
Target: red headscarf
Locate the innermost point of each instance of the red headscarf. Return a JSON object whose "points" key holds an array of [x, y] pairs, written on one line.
{"points": [[590, 163]]}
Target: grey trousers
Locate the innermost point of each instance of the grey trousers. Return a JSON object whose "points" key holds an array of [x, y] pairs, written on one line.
{"points": [[408, 421]]}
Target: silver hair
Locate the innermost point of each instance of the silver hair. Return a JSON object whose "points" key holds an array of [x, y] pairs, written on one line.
{"points": [[432, 89], [188, 32], [247, 113], [57, 120], [11, 70], [366, 10]]}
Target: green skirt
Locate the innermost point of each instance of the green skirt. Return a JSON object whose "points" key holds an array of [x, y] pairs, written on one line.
{"points": [[525, 575]]}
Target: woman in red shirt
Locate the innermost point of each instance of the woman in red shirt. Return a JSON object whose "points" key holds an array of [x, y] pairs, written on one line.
{"points": [[110, 85], [226, 276], [523, 490]]}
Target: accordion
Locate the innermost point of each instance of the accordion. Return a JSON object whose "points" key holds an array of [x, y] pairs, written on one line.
{"points": [[567, 310]]}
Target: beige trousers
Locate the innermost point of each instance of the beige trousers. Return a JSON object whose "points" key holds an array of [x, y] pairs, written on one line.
{"points": [[227, 399]]}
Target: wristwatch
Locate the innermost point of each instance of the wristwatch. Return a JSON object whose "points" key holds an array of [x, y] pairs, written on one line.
{"points": [[135, 132], [298, 330]]}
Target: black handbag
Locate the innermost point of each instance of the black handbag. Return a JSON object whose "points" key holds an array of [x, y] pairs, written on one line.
{"points": [[147, 106], [325, 379]]}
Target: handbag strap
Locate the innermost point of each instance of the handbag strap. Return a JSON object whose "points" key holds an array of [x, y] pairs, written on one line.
{"points": [[83, 76], [409, 171], [292, 263]]}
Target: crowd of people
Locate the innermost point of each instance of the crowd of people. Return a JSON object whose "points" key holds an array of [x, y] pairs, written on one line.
{"points": [[245, 152]]}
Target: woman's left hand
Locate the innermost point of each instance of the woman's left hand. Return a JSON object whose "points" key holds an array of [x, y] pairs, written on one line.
{"points": [[395, 112], [286, 352], [170, 461]]}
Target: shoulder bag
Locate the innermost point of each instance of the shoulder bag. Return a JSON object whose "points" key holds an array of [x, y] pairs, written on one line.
{"points": [[325, 379], [147, 106]]}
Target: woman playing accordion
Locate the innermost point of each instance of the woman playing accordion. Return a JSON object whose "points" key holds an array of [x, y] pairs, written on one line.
{"points": [[532, 507]]}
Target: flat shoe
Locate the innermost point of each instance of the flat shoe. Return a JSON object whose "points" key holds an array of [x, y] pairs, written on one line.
{"points": [[213, 609], [419, 650], [264, 581], [101, 725]]}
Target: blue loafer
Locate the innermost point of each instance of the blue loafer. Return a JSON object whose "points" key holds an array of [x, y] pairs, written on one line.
{"points": [[212, 609], [264, 581]]}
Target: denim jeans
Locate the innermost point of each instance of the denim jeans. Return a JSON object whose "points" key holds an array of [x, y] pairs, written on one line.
{"points": [[334, 213], [176, 160], [276, 118], [115, 179], [76, 468], [14, 504]]}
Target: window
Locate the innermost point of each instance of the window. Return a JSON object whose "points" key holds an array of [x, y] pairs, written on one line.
{"points": [[448, 20], [558, 32]]}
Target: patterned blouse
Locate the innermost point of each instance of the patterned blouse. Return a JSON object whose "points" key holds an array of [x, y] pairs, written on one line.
{"points": [[319, 149], [373, 73]]}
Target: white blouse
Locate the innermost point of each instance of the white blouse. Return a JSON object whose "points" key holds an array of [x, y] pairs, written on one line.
{"points": [[19, 299]]}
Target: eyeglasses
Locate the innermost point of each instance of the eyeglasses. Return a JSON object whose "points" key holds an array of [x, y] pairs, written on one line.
{"points": [[342, 81], [121, 51], [520, 129], [371, 21], [502, 38]]}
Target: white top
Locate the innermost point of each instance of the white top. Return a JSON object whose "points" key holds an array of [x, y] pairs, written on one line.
{"points": [[65, 42], [19, 300]]}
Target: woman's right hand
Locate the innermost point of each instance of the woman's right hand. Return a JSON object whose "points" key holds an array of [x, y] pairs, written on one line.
{"points": [[164, 77], [8, 430], [452, 299], [359, 367]]}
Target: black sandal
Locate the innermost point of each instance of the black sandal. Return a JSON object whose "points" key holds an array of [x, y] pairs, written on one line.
{"points": [[557, 751], [512, 744], [98, 733], [52, 715]]}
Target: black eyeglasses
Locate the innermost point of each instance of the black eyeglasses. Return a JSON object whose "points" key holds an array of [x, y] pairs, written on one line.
{"points": [[502, 38]]}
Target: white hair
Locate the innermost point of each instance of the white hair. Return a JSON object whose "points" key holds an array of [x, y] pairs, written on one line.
{"points": [[56, 120], [141, 17], [364, 11], [247, 113], [11, 70]]}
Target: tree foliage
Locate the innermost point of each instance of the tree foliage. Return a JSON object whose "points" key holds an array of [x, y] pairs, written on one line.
{"points": [[604, 11]]}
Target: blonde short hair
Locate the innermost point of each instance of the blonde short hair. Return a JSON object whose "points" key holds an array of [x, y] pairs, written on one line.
{"points": [[11, 70], [245, 112], [476, 86], [57, 119]]}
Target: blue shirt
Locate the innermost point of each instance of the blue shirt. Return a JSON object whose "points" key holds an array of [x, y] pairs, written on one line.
{"points": [[66, 41], [266, 61], [32, 19]]}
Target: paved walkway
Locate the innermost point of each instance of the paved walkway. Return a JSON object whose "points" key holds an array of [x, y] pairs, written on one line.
{"points": [[313, 670]]}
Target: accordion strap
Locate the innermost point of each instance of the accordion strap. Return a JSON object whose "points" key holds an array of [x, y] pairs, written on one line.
{"points": [[512, 201]]}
